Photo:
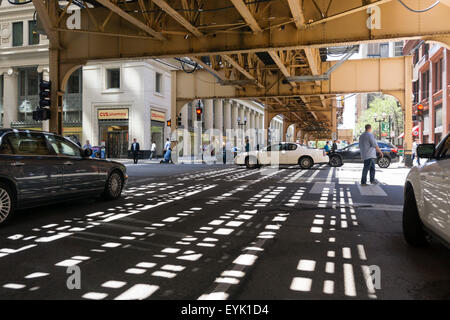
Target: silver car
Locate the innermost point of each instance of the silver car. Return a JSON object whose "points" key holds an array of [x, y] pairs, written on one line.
{"points": [[426, 210], [38, 168]]}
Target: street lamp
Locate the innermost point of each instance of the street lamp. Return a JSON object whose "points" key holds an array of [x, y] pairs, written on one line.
{"points": [[241, 125], [380, 118]]}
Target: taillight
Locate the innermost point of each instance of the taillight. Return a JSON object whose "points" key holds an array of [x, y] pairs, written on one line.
{"points": [[394, 150]]}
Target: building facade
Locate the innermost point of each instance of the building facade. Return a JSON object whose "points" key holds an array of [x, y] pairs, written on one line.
{"points": [[108, 103], [431, 88]]}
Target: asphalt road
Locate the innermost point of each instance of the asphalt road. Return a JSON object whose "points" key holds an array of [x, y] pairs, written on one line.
{"points": [[224, 232]]}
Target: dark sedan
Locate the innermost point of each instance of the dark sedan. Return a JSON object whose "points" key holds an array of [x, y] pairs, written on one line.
{"points": [[38, 168], [352, 154]]}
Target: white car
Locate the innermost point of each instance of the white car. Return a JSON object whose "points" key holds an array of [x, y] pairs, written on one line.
{"points": [[283, 154], [426, 210]]}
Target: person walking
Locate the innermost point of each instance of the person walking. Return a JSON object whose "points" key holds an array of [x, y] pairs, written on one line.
{"points": [[247, 145], [368, 148], [135, 148], [414, 152], [327, 147], [334, 147], [166, 146], [152, 150], [87, 145]]}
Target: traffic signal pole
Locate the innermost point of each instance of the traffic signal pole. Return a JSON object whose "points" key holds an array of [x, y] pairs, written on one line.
{"points": [[55, 124]]}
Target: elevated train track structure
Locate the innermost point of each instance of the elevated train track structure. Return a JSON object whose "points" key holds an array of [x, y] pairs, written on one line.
{"points": [[271, 51]]}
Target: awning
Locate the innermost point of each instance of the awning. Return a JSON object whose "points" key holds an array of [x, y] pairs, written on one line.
{"points": [[415, 132]]}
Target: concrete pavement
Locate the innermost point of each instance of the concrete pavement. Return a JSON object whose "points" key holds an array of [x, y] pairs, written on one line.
{"points": [[225, 232]]}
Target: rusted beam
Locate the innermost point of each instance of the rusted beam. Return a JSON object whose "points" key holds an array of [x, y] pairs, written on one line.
{"points": [[247, 15], [178, 17], [135, 21]]}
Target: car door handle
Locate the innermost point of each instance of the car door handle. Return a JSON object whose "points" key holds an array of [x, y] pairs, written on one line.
{"points": [[17, 164], [68, 163]]}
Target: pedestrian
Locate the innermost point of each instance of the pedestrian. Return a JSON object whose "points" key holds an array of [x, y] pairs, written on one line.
{"points": [[167, 156], [247, 145], [327, 147], [135, 148], [87, 145], [368, 148], [414, 152], [166, 146], [152, 150], [334, 147]]}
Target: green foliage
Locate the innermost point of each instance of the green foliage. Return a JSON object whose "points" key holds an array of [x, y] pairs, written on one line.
{"points": [[380, 105]]}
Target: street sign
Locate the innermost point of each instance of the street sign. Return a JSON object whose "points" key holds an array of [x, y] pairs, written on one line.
{"points": [[385, 127]]}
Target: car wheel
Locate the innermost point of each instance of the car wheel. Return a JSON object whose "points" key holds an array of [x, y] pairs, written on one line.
{"points": [[336, 161], [114, 186], [413, 231], [6, 203], [305, 162], [251, 162], [384, 162]]}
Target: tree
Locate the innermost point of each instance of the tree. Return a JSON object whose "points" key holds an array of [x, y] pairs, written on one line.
{"points": [[384, 104]]}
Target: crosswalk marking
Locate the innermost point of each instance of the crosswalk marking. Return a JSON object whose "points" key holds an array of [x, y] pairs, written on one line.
{"points": [[319, 186], [371, 190]]}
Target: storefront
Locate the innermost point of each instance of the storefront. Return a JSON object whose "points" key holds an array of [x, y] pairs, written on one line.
{"points": [[113, 131], [158, 120]]}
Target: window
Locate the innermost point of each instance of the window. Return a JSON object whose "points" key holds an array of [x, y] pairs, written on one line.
{"points": [[32, 82], [113, 78], [275, 147], [425, 84], [438, 76], [27, 144], [384, 50], [438, 116], [291, 147], [398, 48], [73, 84], [158, 82], [444, 152], [354, 147], [5, 147], [33, 35], [63, 147], [17, 34], [416, 91], [426, 121]]}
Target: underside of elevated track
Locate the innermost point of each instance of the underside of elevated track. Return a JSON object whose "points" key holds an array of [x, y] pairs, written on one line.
{"points": [[270, 51]]}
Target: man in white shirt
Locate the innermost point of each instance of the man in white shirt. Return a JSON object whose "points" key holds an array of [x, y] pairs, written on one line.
{"points": [[152, 150], [167, 145]]}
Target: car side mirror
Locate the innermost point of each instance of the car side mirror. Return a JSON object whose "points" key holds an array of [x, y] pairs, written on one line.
{"points": [[87, 153], [426, 150]]}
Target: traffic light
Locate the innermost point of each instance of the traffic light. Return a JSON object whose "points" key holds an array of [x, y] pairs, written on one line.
{"points": [[43, 110], [44, 93], [179, 120], [199, 112], [41, 114], [420, 112], [169, 123]]}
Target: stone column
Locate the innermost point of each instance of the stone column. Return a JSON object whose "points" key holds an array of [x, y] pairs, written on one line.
{"points": [[209, 114], [227, 115], [218, 115], [234, 115], [185, 116], [10, 99], [247, 116]]}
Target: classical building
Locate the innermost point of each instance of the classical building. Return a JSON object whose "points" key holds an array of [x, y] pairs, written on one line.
{"points": [[431, 88]]}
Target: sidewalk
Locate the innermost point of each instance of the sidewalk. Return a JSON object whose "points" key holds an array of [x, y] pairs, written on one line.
{"points": [[186, 160]]}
